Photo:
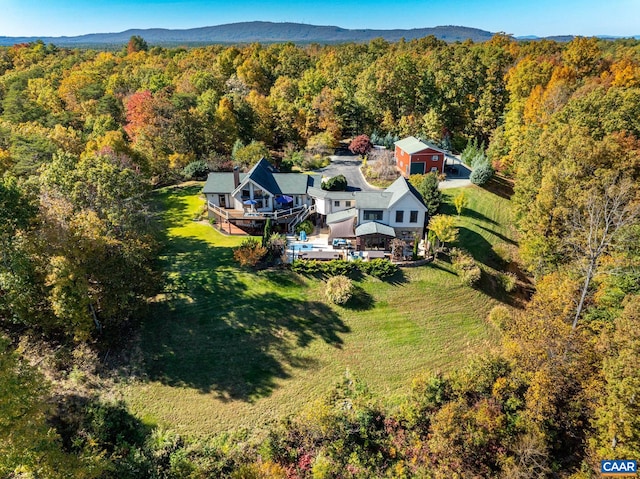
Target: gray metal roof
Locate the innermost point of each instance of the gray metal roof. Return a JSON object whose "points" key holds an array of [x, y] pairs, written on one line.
{"points": [[332, 195], [317, 192], [316, 179], [373, 227], [341, 215], [265, 176], [373, 199], [220, 182], [401, 187], [413, 145], [291, 183]]}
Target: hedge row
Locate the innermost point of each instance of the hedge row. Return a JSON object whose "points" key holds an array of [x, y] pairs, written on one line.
{"points": [[378, 268]]}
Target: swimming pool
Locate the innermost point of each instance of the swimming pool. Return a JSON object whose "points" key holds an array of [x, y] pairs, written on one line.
{"points": [[303, 246]]}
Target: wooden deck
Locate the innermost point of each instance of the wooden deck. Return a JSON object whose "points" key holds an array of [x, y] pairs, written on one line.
{"points": [[230, 228], [231, 221]]}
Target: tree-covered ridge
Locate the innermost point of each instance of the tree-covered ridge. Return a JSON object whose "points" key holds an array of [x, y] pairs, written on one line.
{"points": [[265, 32]]}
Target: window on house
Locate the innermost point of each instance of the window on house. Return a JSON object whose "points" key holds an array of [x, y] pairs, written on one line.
{"points": [[399, 216], [434, 157], [413, 217], [372, 215], [336, 203], [347, 204], [245, 193]]}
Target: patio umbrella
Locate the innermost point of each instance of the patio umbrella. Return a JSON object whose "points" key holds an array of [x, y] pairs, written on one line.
{"points": [[249, 202], [284, 199]]}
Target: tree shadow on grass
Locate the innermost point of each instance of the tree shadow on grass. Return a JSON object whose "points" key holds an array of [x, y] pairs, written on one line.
{"points": [[214, 333], [211, 330], [482, 251], [170, 204], [478, 246], [440, 262], [282, 278], [396, 279], [360, 301], [504, 238], [478, 216], [500, 186], [449, 209]]}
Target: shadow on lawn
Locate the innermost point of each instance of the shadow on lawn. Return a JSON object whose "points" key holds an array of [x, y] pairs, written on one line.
{"points": [[397, 279], [482, 251], [170, 204], [360, 301], [500, 186], [216, 334], [449, 209], [504, 238], [478, 246]]}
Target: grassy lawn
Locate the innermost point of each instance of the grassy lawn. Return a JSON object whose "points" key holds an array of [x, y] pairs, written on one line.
{"points": [[225, 348], [486, 231]]}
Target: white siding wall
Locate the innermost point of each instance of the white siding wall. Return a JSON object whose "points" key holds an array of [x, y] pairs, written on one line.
{"points": [[342, 205], [322, 206], [407, 204], [237, 204], [213, 199]]}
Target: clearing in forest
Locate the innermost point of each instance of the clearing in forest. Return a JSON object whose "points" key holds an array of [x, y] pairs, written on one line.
{"points": [[225, 347]]}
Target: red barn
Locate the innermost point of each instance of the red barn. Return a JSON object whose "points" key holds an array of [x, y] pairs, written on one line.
{"points": [[415, 156]]}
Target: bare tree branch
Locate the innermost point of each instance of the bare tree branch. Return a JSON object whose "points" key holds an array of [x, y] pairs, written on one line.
{"points": [[596, 226]]}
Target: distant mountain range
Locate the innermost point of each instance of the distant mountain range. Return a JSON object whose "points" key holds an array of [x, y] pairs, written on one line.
{"points": [[266, 32], [259, 32]]}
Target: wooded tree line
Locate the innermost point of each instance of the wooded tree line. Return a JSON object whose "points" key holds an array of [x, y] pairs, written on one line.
{"points": [[84, 134], [167, 107]]}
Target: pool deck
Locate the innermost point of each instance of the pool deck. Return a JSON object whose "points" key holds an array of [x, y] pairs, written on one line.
{"points": [[318, 247]]}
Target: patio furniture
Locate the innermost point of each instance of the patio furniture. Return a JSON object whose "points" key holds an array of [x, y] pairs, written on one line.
{"points": [[339, 243]]}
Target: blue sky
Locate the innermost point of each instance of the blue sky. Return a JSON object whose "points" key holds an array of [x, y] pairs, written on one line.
{"points": [[519, 17]]}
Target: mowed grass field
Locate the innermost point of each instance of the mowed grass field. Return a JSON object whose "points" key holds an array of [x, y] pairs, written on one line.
{"points": [[226, 348]]}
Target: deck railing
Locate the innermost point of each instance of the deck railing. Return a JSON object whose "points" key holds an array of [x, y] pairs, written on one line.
{"points": [[219, 211], [302, 210]]}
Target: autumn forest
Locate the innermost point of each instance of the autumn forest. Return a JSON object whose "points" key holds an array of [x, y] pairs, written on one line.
{"points": [[87, 137]]}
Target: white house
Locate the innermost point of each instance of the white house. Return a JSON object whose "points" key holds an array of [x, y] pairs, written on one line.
{"points": [[248, 199]]}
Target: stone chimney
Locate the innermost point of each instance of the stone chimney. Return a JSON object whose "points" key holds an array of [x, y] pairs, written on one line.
{"points": [[236, 176]]}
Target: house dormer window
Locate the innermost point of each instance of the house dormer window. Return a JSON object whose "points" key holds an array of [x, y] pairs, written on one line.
{"points": [[336, 203], [413, 217], [347, 204], [399, 216]]}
